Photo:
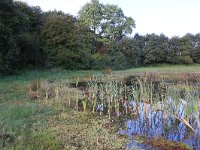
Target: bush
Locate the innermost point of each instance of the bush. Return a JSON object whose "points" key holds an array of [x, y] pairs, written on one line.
{"points": [[184, 60], [30, 49], [9, 52], [100, 61], [118, 60]]}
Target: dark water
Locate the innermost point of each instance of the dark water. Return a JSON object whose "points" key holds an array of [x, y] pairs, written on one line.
{"points": [[154, 123]]}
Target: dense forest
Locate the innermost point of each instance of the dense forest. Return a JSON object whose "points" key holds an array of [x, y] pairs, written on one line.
{"points": [[98, 38]]}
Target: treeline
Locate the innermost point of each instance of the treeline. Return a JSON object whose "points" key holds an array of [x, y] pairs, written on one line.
{"points": [[20, 36], [96, 39]]}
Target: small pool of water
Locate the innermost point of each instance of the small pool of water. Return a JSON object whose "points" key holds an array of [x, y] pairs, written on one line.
{"points": [[155, 123]]}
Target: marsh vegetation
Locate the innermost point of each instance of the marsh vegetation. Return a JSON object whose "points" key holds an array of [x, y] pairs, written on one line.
{"points": [[129, 109]]}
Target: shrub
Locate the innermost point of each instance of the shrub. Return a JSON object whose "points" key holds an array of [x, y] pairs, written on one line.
{"points": [[184, 60], [100, 61]]}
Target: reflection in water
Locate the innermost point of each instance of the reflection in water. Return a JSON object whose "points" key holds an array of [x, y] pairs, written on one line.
{"points": [[151, 122]]}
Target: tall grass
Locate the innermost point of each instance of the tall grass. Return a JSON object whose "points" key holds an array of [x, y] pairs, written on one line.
{"points": [[114, 98], [106, 95]]}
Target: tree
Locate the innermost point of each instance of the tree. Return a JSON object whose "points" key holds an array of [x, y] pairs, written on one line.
{"points": [[155, 49], [30, 49], [186, 46], [86, 44], [106, 21], [34, 15], [29, 40], [100, 61], [196, 48], [12, 23], [9, 52], [11, 17], [91, 15], [130, 47], [117, 58], [180, 49], [173, 50], [63, 40], [115, 25]]}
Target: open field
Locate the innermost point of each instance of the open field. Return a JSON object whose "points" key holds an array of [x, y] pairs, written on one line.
{"points": [[50, 120], [163, 69]]}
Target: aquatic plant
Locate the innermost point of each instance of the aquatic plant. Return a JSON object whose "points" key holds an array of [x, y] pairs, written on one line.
{"points": [[145, 98]]}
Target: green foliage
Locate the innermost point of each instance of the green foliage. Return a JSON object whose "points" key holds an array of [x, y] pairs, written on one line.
{"points": [[9, 27], [184, 60], [11, 17], [9, 52], [16, 45], [33, 14], [155, 49], [90, 15], [86, 46], [130, 47], [106, 20], [66, 43], [96, 39], [181, 49], [115, 24], [118, 61], [100, 61], [60, 41], [196, 48], [30, 51]]}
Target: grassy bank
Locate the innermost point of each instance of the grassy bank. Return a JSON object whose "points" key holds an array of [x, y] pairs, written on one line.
{"points": [[28, 123]]}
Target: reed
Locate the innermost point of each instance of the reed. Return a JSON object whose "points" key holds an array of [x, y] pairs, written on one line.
{"points": [[115, 98], [107, 96]]}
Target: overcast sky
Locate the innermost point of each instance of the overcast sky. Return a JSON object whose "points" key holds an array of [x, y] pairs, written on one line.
{"points": [[170, 17]]}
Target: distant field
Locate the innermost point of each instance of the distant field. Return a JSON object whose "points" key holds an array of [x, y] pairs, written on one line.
{"points": [[164, 69], [55, 74]]}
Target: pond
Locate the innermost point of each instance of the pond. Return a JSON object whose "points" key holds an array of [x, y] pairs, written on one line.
{"points": [[161, 114], [154, 123]]}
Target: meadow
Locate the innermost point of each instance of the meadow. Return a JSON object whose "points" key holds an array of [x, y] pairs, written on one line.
{"points": [[60, 109]]}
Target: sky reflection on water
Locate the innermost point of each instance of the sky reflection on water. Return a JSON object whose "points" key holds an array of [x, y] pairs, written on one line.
{"points": [[156, 123]]}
